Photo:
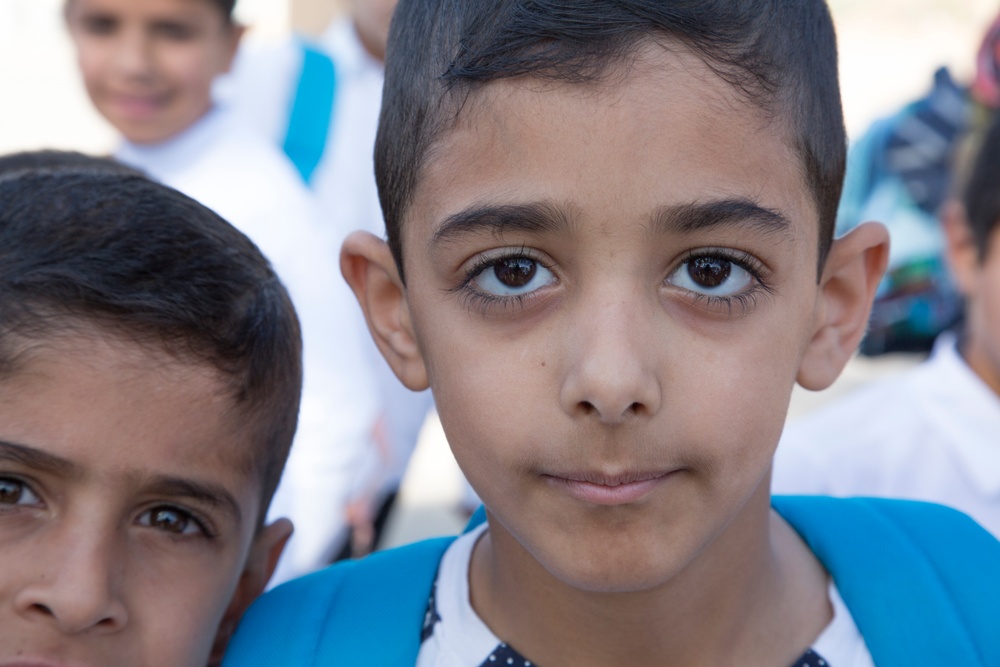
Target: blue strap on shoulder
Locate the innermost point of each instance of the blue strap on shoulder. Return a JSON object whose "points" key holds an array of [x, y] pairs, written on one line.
{"points": [[922, 581], [356, 613], [312, 111]]}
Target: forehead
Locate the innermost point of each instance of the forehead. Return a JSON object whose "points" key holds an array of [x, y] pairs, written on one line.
{"points": [[661, 129], [150, 10], [125, 413]]}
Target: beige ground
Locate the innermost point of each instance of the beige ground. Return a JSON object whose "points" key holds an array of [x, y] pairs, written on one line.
{"points": [[889, 48]]}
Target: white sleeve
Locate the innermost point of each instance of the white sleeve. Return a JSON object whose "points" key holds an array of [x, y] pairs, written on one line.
{"points": [[339, 404], [265, 198]]}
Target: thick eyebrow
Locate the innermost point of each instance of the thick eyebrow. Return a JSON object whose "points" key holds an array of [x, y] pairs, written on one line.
{"points": [[536, 218], [736, 212], [204, 492], [38, 460]]}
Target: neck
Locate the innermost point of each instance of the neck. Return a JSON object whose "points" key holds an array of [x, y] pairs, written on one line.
{"points": [[731, 605]]}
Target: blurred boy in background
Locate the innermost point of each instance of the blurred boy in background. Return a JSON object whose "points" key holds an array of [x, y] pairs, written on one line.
{"points": [[931, 433], [149, 67]]}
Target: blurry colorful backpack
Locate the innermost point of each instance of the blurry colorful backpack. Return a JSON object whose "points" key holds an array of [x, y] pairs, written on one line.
{"points": [[900, 172]]}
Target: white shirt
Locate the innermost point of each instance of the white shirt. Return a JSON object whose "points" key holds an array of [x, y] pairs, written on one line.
{"points": [[461, 639], [930, 433], [248, 182], [262, 88]]}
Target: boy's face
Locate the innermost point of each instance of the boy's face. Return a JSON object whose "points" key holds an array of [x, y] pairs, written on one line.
{"points": [[979, 280], [127, 515], [148, 65], [611, 290]]}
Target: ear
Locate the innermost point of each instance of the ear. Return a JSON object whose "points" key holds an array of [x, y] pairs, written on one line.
{"points": [[851, 275], [370, 270], [235, 36], [261, 561], [961, 249]]}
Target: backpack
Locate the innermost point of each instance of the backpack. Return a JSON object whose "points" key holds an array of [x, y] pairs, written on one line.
{"points": [[311, 111], [922, 582]]}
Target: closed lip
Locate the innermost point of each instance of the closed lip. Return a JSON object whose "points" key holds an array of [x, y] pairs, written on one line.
{"points": [[604, 488], [137, 104]]}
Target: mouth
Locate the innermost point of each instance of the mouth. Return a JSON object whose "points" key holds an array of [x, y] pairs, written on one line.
{"points": [[137, 106], [599, 488]]}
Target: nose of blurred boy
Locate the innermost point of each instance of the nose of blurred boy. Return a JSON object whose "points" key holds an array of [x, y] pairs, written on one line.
{"points": [[609, 376], [75, 586], [131, 57]]}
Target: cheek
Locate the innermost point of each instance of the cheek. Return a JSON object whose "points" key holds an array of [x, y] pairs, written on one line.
{"points": [[186, 609]]}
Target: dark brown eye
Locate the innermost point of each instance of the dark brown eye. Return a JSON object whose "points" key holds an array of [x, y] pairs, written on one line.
{"points": [[515, 271], [709, 271], [10, 491], [170, 520]]}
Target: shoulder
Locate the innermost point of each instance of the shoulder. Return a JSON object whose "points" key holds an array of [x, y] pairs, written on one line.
{"points": [[372, 607], [921, 580]]}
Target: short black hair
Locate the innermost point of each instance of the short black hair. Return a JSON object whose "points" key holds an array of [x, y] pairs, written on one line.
{"points": [[87, 247], [781, 55], [48, 159], [226, 7], [982, 193]]}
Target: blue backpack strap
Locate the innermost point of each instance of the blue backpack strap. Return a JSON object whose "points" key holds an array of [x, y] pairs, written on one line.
{"points": [[922, 581], [364, 612], [312, 111]]}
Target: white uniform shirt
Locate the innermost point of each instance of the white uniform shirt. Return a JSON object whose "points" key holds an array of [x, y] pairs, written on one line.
{"points": [[262, 88], [455, 636], [238, 174], [930, 433]]}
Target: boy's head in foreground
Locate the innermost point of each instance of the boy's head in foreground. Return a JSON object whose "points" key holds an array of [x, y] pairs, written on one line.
{"points": [[149, 385], [610, 229], [972, 225], [148, 65]]}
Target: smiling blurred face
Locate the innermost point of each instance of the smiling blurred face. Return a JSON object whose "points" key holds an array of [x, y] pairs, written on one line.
{"points": [[148, 65], [126, 516], [612, 288]]}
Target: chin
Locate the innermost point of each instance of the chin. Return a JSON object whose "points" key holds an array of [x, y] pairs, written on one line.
{"points": [[619, 570]]}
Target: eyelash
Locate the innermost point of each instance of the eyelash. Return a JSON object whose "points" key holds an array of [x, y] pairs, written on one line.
{"points": [[744, 301], [484, 302]]}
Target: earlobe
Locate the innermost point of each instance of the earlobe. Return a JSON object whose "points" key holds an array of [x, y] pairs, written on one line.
{"points": [[851, 275], [261, 561], [370, 270]]}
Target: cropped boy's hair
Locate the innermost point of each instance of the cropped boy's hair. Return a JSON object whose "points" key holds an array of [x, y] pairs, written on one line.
{"points": [[50, 159], [87, 247], [982, 193], [780, 55]]}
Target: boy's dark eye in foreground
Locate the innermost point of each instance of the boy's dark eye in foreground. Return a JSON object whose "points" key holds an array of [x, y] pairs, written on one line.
{"points": [[172, 520], [14, 492], [513, 275]]}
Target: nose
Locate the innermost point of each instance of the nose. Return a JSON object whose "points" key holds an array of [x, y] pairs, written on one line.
{"points": [[76, 586], [613, 375], [134, 54]]}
